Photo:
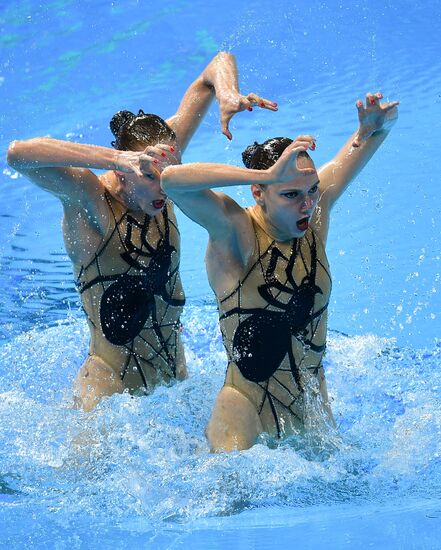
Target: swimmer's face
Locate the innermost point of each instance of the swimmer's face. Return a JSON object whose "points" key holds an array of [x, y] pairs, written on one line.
{"points": [[289, 207], [145, 191]]}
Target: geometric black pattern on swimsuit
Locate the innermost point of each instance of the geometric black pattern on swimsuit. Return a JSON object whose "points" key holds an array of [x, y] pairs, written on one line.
{"points": [[263, 339], [129, 301]]}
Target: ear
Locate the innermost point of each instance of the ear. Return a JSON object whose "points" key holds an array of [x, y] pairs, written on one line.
{"points": [[257, 193]]}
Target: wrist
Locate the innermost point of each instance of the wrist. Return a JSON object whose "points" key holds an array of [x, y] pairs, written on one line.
{"points": [[116, 160], [379, 131], [227, 94]]}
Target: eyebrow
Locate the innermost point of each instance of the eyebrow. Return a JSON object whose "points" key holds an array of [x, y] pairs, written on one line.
{"points": [[292, 190]]}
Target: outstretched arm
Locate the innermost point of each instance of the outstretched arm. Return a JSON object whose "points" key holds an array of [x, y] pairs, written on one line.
{"points": [[190, 186], [63, 168], [376, 119], [219, 79]]}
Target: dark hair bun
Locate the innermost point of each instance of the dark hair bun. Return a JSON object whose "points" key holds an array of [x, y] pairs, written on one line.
{"points": [[260, 156], [248, 154], [119, 119]]}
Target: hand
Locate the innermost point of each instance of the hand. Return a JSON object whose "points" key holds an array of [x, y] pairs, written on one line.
{"points": [[286, 169], [128, 162], [150, 162], [157, 158], [374, 117], [231, 103]]}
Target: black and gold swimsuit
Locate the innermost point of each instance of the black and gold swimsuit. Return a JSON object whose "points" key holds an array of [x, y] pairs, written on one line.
{"points": [[274, 329], [132, 295]]}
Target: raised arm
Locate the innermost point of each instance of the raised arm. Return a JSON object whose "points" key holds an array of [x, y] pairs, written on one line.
{"points": [[219, 79], [376, 119]]}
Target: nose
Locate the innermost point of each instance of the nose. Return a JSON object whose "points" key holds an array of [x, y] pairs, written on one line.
{"points": [[307, 204]]}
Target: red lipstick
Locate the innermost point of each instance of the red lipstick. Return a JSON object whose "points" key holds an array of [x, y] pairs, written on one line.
{"points": [[158, 204], [303, 224]]}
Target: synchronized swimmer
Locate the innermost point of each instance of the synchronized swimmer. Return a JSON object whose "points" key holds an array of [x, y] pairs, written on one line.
{"points": [[121, 234], [268, 268], [266, 264]]}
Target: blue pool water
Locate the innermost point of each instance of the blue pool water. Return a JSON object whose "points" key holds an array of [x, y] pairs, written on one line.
{"points": [[138, 471]]}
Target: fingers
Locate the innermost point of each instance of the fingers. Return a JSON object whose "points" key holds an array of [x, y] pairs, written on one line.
{"points": [[294, 153], [156, 151], [225, 121], [388, 106], [166, 150], [374, 99], [146, 163], [254, 99], [301, 144], [270, 105], [306, 171], [161, 152], [371, 100], [305, 142]]}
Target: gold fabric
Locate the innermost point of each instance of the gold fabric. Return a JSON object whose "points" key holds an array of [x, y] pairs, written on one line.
{"points": [[132, 295], [274, 330]]}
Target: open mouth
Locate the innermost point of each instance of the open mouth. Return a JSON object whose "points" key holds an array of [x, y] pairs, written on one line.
{"points": [[303, 224], [158, 204]]}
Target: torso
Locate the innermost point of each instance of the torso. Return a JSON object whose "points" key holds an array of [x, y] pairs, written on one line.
{"points": [[132, 295], [274, 330]]}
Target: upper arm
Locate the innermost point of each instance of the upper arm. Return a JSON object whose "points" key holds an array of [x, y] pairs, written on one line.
{"points": [[70, 185], [228, 225], [321, 217], [218, 213], [192, 108], [79, 190], [329, 192], [34, 158], [330, 187]]}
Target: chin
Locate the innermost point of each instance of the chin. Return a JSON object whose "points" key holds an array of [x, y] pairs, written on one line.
{"points": [[296, 233], [148, 209]]}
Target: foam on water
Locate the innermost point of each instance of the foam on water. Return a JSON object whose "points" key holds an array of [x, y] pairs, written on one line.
{"points": [[147, 457]]}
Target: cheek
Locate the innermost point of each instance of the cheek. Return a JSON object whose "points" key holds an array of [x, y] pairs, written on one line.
{"points": [[149, 189]]}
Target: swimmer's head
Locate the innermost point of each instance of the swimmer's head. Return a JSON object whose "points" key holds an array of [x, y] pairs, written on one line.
{"points": [[287, 206], [261, 156], [135, 132]]}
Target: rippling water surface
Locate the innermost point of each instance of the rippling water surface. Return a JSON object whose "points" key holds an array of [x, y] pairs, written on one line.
{"points": [[137, 470]]}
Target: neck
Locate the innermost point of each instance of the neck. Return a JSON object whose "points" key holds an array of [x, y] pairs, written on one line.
{"points": [[270, 229]]}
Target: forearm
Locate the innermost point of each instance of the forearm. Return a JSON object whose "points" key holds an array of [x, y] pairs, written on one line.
{"points": [[186, 178], [351, 160], [221, 74], [336, 175], [47, 152]]}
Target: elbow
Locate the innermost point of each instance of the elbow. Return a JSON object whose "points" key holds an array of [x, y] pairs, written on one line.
{"points": [[225, 55], [19, 150], [13, 155], [172, 182], [167, 183]]}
